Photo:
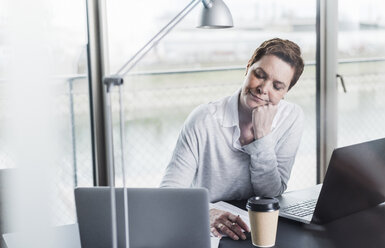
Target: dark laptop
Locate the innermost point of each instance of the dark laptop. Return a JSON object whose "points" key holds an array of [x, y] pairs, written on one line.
{"points": [[354, 181], [158, 217]]}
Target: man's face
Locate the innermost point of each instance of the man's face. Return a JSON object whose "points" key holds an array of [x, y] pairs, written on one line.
{"points": [[267, 82]]}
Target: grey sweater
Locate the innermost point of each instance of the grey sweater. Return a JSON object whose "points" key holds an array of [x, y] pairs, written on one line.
{"points": [[208, 152]]}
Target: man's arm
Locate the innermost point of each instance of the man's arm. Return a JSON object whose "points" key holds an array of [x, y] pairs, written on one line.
{"points": [[271, 163], [181, 170]]}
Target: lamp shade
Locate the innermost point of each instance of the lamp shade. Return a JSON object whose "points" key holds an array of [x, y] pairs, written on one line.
{"points": [[216, 16]]}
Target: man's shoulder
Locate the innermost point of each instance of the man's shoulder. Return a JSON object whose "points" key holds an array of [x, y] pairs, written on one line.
{"points": [[289, 108], [289, 114], [207, 112]]}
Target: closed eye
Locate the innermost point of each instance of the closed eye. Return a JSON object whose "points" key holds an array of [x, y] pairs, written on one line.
{"points": [[259, 73], [279, 85]]}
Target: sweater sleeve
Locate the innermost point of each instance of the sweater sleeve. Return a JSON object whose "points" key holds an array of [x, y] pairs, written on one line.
{"points": [[183, 165], [272, 161]]}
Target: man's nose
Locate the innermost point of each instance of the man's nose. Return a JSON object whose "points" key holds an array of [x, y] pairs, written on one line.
{"points": [[262, 89]]}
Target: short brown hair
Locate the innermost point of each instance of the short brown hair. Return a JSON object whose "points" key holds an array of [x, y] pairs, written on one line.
{"points": [[286, 50]]}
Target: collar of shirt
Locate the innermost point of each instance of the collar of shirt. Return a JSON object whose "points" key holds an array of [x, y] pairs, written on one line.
{"points": [[230, 117], [230, 111]]}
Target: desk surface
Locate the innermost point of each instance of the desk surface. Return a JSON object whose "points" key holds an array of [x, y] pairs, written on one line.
{"points": [[363, 229]]}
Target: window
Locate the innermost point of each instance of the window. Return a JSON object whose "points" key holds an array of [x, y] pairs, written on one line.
{"points": [[361, 51], [193, 66]]}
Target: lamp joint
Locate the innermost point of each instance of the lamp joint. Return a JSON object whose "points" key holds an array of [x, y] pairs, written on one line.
{"points": [[207, 3], [113, 80]]}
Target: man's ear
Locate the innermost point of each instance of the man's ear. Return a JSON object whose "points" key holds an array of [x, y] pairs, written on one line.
{"points": [[248, 66]]}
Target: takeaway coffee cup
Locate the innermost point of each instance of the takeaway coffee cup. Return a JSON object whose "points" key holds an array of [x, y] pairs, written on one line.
{"points": [[263, 215]]}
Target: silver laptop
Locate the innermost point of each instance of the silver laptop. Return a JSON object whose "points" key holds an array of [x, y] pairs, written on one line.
{"points": [[353, 182], [158, 217], [66, 236]]}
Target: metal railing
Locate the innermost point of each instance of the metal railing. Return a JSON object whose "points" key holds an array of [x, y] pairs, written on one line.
{"points": [[73, 78], [76, 114], [225, 68]]}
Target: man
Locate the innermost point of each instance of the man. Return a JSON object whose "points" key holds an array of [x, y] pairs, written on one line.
{"points": [[244, 144]]}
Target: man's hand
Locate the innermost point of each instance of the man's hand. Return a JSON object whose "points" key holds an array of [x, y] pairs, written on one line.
{"points": [[263, 119], [222, 222]]}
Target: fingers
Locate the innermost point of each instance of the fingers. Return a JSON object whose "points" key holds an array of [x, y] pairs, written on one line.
{"points": [[266, 107], [240, 222], [262, 118], [215, 232], [235, 228], [225, 223], [226, 230]]}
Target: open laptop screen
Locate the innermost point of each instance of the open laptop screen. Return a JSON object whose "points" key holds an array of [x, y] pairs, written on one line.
{"points": [[163, 218], [355, 181]]}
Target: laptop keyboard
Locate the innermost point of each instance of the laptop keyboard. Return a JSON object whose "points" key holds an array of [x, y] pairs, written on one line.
{"points": [[301, 209]]}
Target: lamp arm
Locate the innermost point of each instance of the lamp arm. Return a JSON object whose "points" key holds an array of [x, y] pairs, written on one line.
{"points": [[117, 78], [159, 36], [207, 3]]}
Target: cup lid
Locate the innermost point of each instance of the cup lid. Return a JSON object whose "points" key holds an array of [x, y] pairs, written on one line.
{"points": [[262, 204]]}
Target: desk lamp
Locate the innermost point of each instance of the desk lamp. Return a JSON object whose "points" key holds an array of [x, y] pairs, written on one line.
{"points": [[215, 15]]}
